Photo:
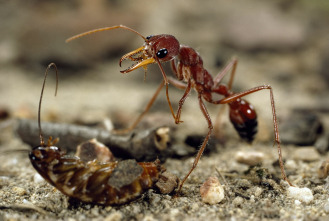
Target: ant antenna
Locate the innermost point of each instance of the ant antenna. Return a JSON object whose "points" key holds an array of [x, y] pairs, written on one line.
{"points": [[103, 29], [42, 142]]}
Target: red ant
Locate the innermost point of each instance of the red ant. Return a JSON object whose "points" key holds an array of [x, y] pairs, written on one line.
{"points": [[188, 67], [94, 181]]}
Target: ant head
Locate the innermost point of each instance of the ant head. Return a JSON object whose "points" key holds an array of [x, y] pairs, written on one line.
{"points": [[162, 47], [157, 49]]}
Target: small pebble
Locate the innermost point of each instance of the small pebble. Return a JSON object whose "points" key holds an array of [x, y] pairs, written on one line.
{"points": [[306, 154], [116, 216], [250, 158], [149, 218], [162, 138], [4, 180], [297, 202], [212, 192], [19, 190], [238, 201], [252, 199], [37, 178], [258, 191], [290, 164], [302, 194], [167, 182]]}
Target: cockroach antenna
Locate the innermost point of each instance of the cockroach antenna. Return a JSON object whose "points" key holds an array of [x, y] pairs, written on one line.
{"points": [[42, 142]]}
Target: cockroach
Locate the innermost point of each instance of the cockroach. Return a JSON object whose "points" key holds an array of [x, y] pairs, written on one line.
{"points": [[106, 183], [187, 66]]}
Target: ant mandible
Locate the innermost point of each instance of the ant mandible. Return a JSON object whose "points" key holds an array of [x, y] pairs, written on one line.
{"points": [[188, 68]]}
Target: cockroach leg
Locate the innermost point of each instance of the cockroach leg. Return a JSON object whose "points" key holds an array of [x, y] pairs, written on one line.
{"points": [[106, 183]]}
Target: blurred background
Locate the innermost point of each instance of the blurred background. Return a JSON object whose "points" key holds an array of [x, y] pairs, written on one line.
{"points": [[283, 43]]}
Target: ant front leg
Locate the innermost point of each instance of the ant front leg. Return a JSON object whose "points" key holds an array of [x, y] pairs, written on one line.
{"points": [[236, 96], [181, 85]]}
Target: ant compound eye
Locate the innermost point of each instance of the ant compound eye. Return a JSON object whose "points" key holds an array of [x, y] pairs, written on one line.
{"points": [[162, 53], [149, 37]]}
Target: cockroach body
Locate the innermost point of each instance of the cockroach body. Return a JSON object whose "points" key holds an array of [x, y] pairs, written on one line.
{"points": [[106, 183], [94, 182]]}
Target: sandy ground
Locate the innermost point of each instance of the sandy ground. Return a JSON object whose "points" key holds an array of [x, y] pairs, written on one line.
{"points": [[281, 44]]}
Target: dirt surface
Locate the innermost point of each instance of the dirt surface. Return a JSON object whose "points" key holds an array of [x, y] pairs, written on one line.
{"points": [[282, 43]]}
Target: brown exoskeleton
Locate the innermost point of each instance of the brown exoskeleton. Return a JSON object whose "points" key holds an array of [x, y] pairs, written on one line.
{"points": [[188, 68], [92, 181]]}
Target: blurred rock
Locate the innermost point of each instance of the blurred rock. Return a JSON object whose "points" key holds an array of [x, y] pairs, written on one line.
{"points": [[306, 154], [300, 128], [263, 27], [324, 69], [322, 143]]}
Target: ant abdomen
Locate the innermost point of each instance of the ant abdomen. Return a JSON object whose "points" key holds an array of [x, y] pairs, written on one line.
{"points": [[244, 119]]}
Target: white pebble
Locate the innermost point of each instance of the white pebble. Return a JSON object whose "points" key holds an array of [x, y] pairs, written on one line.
{"points": [[258, 191], [250, 158], [37, 178], [212, 192], [302, 194], [297, 202], [19, 190], [26, 201], [116, 216]]}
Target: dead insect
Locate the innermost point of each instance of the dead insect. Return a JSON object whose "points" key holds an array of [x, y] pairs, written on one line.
{"points": [[188, 68], [93, 181]]}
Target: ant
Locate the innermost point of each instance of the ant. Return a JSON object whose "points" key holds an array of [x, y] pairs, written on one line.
{"points": [[187, 66], [97, 182]]}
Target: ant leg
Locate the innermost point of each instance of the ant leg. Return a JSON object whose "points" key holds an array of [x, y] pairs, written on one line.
{"points": [[182, 100], [234, 97], [147, 108], [203, 146], [177, 84], [165, 81], [231, 65], [218, 123], [180, 85]]}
